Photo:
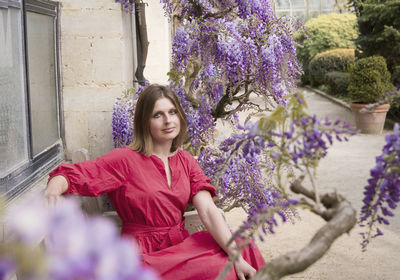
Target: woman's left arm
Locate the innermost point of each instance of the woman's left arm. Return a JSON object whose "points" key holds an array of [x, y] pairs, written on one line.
{"points": [[217, 227]]}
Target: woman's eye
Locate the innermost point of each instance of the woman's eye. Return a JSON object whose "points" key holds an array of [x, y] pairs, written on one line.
{"points": [[156, 115], [173, 112]]}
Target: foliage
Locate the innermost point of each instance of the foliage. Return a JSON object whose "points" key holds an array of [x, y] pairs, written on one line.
{"points": [[328, 61], [75, 247], [326, 32], [379, 30], [337, 82], [369, 80]]}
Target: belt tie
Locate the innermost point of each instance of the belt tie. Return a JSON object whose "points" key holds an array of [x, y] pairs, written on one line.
{"points": [[176, 234]]}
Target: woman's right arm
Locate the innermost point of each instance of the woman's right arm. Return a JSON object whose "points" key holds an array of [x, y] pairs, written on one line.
{"points": [[55, 188], [89, 178]]}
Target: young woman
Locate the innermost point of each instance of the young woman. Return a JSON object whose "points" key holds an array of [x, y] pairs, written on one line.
{"points": [[149, 184]]}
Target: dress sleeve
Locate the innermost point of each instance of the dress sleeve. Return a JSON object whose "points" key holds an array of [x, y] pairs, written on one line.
{"points": [[93, 178], [198, 181]]}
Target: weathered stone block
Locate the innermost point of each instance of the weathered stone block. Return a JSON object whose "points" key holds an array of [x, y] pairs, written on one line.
{"points": [[86, 99], [77, 65], [90, 4], [92, 23], [76, 131], [100, 133], [107, 60]]}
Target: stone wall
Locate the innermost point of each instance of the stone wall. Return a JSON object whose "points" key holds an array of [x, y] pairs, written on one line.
{"points": [[96, 64], [98, 52]]}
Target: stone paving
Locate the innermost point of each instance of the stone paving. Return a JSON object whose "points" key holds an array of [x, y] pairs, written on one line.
{"points": [[345, 169]]}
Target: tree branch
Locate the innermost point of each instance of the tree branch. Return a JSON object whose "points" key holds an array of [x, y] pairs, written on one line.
{"points": [[230, 96], [298, 188], [193, 69], [220, 14], [342, 218]]}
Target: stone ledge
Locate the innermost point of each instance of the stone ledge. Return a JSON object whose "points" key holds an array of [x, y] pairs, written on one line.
{"points": [[333, 99]]}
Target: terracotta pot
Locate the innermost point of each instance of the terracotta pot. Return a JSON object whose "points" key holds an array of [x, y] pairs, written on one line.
{"points": [[370, 122]]}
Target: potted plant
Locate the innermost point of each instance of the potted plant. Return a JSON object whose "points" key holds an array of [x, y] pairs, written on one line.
{"points": [[369, 80]]}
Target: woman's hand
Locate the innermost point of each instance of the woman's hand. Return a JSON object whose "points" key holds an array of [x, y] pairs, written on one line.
{"points": [[243, 269], [216, 225], [55, 188]]}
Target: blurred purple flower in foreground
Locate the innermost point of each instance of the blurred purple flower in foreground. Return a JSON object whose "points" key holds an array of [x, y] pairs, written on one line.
{"points": [[76, 247]]}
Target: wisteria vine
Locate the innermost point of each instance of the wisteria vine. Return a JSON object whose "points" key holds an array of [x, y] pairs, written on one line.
{"points": [[244, 164], [223, 52]]}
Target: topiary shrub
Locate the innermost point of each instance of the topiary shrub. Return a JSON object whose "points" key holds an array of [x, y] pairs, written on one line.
{"points": [[369, 80], [326, 32], [337, 82], [328, 61]]}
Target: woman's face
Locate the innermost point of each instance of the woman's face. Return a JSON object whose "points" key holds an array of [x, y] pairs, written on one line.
{"points": [[165, 124]]}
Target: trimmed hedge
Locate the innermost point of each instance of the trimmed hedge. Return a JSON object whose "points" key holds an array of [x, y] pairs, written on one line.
{"points": [[328, 61], [337, 82], [369, 80], [326, 32]]}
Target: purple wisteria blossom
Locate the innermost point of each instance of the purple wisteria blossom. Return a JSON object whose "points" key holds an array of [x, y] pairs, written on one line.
{"points": [[76, 247], [238, 169], [7, 266], [201, 124], [244, 165], [122, 121], [222, 52], [265, 217], [127, 5], [306, 140], [382, 194], [29, 222], [123, 115]]}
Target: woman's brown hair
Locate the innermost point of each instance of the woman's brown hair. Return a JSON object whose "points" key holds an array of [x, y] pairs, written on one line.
{"points": [[142, 140]]}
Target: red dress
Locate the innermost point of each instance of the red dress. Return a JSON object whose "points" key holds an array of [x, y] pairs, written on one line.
{"points": [[152, 212]]}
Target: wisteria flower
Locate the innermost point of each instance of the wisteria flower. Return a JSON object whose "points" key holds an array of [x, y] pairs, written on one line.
{"points": [[382, 194], [76, 247]]}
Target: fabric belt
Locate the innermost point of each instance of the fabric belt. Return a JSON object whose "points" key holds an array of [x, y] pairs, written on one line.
{"points": [[176, 234]]}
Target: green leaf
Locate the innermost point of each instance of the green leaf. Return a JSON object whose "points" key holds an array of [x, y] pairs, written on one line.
{"points": [[265, 124], [279, 114]]}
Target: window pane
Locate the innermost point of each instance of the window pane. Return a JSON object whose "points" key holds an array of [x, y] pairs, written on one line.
{"points": [[42, 81], [13, 131]]}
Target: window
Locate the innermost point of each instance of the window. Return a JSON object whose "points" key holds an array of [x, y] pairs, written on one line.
{"points": [[30, 119]]}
